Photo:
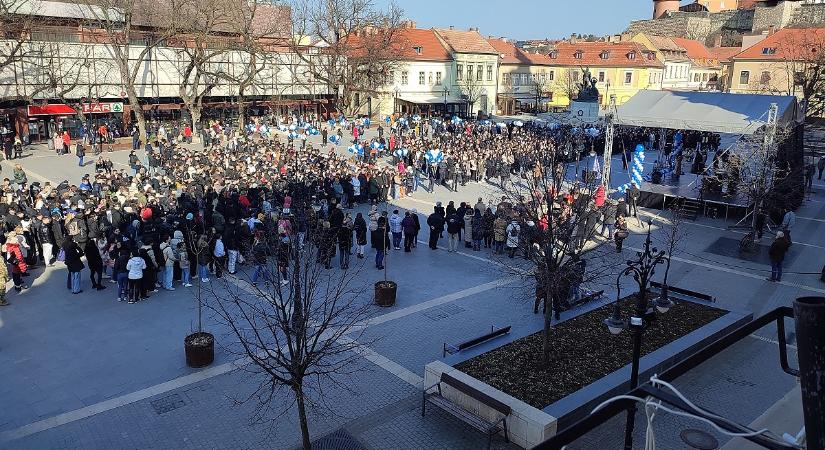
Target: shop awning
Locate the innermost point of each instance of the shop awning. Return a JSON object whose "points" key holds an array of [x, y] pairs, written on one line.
{"points": [[56, 109], [425, 99]]}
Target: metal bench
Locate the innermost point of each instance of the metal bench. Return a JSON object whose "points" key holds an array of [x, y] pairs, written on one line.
{"points": [[683, 291], [455, 348], [479, 423]]}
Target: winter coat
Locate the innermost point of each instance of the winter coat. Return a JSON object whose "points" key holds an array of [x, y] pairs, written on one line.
{"points": [[168, 254], [454, 224], [13, 248], [500, 229], [135, 267], [477, 227], [73, 254], [360, 228], [468, 225], [408, 225], [380, 239], [513, 231], [93, 256], [778, 249]]}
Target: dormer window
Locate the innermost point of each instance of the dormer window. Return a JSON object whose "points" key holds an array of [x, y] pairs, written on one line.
{"points": [[769, 50], [554, 54], [417, 50], [631, 55], [578, 54], [604, 54], [649, 56]]}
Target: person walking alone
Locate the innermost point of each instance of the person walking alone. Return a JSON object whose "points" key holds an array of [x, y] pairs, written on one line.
{"points": [[777, 252]]}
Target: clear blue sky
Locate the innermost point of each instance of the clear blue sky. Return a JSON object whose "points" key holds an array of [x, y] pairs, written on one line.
{"points": [[528, 19]]}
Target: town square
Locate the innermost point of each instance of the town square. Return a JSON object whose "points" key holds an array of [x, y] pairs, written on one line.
{"points": [[360, 224]]}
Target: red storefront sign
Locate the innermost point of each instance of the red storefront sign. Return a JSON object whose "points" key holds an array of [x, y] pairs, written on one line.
{"points": [[57, 109], [102, 108]]}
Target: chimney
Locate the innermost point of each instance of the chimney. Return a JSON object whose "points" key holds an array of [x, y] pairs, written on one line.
{"points": [[452, 27], [717, 41], [474, 29]]}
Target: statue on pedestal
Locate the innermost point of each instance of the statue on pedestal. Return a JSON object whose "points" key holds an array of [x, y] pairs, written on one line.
{"points": [[588, 92]]}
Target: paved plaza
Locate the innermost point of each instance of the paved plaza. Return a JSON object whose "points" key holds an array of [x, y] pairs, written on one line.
{"points": [[88, 372]]}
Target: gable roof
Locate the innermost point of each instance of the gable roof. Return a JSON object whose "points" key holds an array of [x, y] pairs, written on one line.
{"points": [[461, 41], [787, 44], [431, 47], [694, 49], [510, 54], [617, 56], [724, 54]]}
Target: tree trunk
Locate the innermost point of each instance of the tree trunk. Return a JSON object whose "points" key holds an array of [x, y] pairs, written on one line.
{"points": [[545, 333], [139, 116], [195, 113], [302, 417], [241, 113]]}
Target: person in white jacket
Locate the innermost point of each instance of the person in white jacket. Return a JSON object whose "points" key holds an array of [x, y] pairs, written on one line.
{"points": [[219, 255], [135, 267], [169, 266]]}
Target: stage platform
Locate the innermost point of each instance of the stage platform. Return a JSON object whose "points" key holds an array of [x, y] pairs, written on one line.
{"points": [[662, 196]]}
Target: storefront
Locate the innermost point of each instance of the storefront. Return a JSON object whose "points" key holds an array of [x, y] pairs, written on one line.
{"points": [[46, 120], [110, 114]]}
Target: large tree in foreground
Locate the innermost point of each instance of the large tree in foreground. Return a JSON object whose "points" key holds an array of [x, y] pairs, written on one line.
{"points": [[299, 327]]}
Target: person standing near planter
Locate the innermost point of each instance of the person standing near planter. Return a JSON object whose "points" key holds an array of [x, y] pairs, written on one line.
{"points": [[396, 229], [134, 270], [777, 252], [183, 263], [380, 242], [73, 263], [219, 254], [408, 226]]}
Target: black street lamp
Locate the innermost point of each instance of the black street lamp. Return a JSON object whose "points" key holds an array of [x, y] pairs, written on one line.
{"points": [[642, 270], [446, 92], [395, 106]]}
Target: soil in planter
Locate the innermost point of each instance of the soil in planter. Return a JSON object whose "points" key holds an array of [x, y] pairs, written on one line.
{"points": [[385, 284], [199, 340], [582, 351]]}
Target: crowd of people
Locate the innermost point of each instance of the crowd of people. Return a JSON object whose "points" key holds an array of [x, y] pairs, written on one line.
{"points": [[189, 212]]}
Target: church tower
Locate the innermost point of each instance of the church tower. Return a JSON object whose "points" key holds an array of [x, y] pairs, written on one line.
{"points": [[660, 7]]}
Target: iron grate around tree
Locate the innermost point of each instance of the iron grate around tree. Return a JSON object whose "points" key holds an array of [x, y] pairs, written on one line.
{"points": [[443, 312], [168, 403], [338, 440]]}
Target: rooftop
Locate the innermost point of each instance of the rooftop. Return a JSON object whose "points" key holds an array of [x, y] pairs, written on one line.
{"points": [[510, 54], [787, 44], [603, 54], [466, 41]]}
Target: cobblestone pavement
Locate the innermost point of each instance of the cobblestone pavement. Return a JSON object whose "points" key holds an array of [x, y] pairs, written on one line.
{"points": [[88, 372]]}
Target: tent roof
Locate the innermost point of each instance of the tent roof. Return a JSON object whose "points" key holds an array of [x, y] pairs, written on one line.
{"points": [[705, 111]]}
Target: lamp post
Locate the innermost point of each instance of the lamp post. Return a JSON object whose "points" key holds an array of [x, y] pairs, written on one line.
{"points": [[446, 92], [395, 105], [642, 270]]}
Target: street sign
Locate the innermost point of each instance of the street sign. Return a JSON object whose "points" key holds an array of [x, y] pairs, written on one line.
{"points": [[102, 108], [585, 112]]}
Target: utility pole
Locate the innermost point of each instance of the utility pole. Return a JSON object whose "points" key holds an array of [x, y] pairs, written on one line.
{"points": [[608, 143]]}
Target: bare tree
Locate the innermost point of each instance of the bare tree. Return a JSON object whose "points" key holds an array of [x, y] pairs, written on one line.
{"points": [[471, 89], [131, 30], [349, 46], [568, 83], [299, 324], [15, 23], [538, 89], [804, 65], [564, 234], [672, 236]]}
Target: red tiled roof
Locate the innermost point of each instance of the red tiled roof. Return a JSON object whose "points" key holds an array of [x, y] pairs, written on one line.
{"points": [[591, 54], [466, 41], [695, 49], [724, 54], [509, 54], [431, 47], [788, 44]]}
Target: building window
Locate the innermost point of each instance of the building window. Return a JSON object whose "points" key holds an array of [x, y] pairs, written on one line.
{"points": [[421, 78], [696, 77], [405, 77], [516, 79], [578, 54], [604, 54], [543, 78], [769, 50], [459, 72], [505, 79], [525, 79], [430, 80], [554, 54], [765, 78], [469, 72], [574, 74], [704, 77], [417, 50], [628, 77], [438, 78], [744, 77], [631, 55], [552, 75], [601, 77], [489, 73], [480, 73]]}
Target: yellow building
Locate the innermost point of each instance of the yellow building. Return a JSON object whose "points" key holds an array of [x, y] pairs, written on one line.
{"points": [[621, 69], [523, 83]]}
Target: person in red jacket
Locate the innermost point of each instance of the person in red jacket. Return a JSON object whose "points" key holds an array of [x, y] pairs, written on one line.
{"points": [[14, 258], [67, 142]]}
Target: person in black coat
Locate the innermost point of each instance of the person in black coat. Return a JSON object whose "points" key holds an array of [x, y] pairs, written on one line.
{"points": [[74, 264], [360, 227], [436, 224], [345, 243], [381, 242], [95, 265]]}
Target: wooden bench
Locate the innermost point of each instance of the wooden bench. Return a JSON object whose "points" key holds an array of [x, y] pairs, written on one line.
{"points": [[455, 348], [481, 424], [685, 292], [594, 295]]}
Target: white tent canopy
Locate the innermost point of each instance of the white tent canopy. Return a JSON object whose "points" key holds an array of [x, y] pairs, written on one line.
{"points": [[706, 111]]}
